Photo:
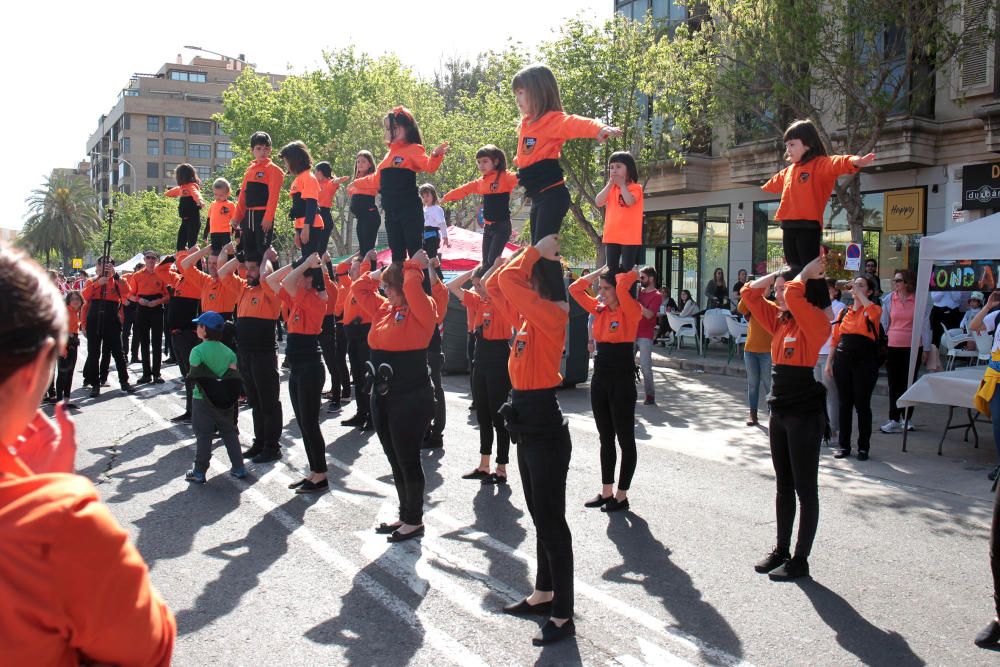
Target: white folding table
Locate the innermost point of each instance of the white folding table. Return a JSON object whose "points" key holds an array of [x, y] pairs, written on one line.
{"points": [[956, 389]]}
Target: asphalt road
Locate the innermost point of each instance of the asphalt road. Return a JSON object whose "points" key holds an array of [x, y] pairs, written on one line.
{"points": [[259, 576]]}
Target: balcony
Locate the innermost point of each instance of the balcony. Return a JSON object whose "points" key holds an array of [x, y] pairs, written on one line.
{"points": [[990, 115], [695, 175], [755, 162]]}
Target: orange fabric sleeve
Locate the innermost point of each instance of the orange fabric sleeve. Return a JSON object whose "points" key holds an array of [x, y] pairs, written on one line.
{"points": [[579, 127], [763, 311], [241, 202], [835, 166], [365, 292], [173, 192], [810, 319], [578, 290], [440, 295], [275, 179], [372, 180], [776, 183], [421, 306], [515, 283], [498, 299], [631, 308], [461, 192]]}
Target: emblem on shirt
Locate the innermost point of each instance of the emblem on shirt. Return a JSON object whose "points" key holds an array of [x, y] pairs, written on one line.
{"points": [[211, 297], [296, 317], [254, 300], [529, 144], [789, 351], [519, 347], [259, 174], [400, 316], [493, 186], [225, 209], [398, 160], [614, 325], [621, 200], [804, 176]]}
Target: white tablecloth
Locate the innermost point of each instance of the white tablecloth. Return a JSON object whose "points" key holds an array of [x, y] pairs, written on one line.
{"points": [[955, 388]]}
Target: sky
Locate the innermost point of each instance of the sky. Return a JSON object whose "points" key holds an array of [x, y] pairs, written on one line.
{"points": [[62, 78]]}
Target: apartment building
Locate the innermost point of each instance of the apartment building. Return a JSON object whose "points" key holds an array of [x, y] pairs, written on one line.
{"points": [[161, 120], [935, 170], [81, 171]]}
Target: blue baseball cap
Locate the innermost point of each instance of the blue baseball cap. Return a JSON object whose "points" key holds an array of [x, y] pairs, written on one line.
{"points": [[211, 320]]}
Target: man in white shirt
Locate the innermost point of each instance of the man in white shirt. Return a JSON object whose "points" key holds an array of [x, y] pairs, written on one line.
{"points": [[946, 310]]}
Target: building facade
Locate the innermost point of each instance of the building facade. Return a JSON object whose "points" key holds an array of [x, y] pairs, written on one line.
{"points": [[162, 120], [934, 171]]}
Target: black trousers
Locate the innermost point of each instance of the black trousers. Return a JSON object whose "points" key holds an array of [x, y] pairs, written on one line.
{"points": [[149, 331], [801, 241], [495, 237], [995, 551], [259, 370], [309, 247], [168, 348], [104, 330], [490, 389], [323, 235], [404, 227], [435, 361], [254, 239], [547, 212], [128, 328], [896, 363], [184, 340], [65, 368], [328, 345], [950, 317], [795, 445], [855, 374], [358, 353], [368, 221], [187, 233], [620, 258], [400, 420], [612, 399], [340, 361], [219, 241], [305, 388]]}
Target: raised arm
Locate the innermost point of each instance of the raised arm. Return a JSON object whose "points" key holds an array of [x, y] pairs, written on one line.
{"points": [[461, 192], [602, 197], [229, 267], [578, 290], [195, 257], [515, 283], [623, 289], [274, 278], [455, 284]]}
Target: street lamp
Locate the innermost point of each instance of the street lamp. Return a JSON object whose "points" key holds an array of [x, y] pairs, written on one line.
{"points": [[221, 55]]}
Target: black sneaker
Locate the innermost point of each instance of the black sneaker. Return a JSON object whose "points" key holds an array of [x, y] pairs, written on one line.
{"points": [[333, 407], [95, 391], [182, 419], [269, 454], [369, 425], [771, 561], [158, 380], [356, 420], [145, 379], [345, 395], [794, 568], [988, 636], [551, 633], [128, 389], [841, 453], [863, 455], [255, 449]]}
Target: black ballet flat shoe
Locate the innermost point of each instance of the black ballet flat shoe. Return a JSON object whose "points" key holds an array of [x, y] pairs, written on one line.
{"points": [[295, 485], [397, 536], [368, 426], [863, 456], [841, 453], [387, 528], [523, 608], [494, 479], [599, 501], [356, 420], [550, 633], [313, 487], [988, 636], [615, 505], [793, 568], [476, 474]]}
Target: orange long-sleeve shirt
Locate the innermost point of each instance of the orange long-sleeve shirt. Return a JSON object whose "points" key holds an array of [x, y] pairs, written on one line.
{"points": [[215, 294], [333, 293], [363, 187], [536, 355], [260, 189], [171, 276], [796, 340], [398, 329], [758, 338], [440, 295], [74, 321], [116, 291], [257, 301], [351, 308], [806, 188], [853, 322], [327, 191], [400, 156], [623, 223], [305, 186], [306, 311], [71, 582], [543, 139], [471, 301], [148, 284], [486, 185], [611, 326], [221, 216], [492, 314], [187, 190]]}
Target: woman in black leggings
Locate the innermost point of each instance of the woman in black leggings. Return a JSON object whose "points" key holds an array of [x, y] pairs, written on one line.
{"points": [[798, 410], [612, 389]]}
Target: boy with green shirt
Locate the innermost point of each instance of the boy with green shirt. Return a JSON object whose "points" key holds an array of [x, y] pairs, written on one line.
{"points": [[216, 392]]}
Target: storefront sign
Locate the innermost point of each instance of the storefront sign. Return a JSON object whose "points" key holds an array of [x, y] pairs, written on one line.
{"points": [[77, 263], [981, 186], [980, 275], [903, 211]]}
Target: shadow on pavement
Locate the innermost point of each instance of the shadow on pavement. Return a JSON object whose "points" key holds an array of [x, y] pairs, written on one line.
{"points": [[646, 561]]}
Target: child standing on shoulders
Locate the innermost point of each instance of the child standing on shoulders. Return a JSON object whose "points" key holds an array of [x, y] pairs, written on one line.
{"points": [[623, 216], [328, 186], [190, 205], [495, 186], [216, 392], [396, 179], [805, 186], [367, 218], [221, 217], [544, 128], [258, 200], [67, 360], [305, 206], [435, 225]]}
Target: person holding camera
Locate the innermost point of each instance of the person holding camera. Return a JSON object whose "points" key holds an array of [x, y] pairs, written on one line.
{"points": [[105, 296]]}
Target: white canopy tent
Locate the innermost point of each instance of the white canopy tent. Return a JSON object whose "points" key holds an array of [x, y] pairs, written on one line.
{"points": [[972, 241], [122, 266]]}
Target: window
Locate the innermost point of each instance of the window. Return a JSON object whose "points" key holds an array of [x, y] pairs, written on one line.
{"points": [[168, 169], [200, 126], [127, 121], [152, 123], [175, 124], [204, 173], [194, 77], [123, 170], [223, 151], [152, 146], [152, 170], [130, 92], [200, 150], [218, 130], [126, 145], [174, 147]]}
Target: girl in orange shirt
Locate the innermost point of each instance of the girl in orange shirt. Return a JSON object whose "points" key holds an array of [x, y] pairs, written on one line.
{"points": [[623, 216], [67, 359], [305, 206], [367, 218], [328, 186], [805, 186], [190, 204], [495, 186], [544, 128], [535, 422]]}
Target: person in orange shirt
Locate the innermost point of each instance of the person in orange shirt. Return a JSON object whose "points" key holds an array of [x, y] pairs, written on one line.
{"points": [[535, 422], [434, 436], [805, 186], [222, 223], [150, 293], [799, 329], [757, 360], [622, 199], [258, 200], [491, 379], [495, 186], [67, 359], [215, 294], [357, 325], [328, 186], [853, 364], [403, 322], [257, 311], [396, 179], [105, 295], [305, 203], [183, 307], [74, 588], [306, 309], [543, 130], [130, 332], [189, 206], [612, 389], [367, 219]]}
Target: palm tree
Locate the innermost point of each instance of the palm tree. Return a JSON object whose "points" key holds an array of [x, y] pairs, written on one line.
{"points": [[62, 215]]}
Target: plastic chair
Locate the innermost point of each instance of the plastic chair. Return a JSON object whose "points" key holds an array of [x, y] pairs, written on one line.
{"points": [[984, 346], [714, 324], [737, 335], [951, 339], [684, 327]]}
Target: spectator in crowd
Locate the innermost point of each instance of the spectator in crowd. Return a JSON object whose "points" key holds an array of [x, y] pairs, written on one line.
{"points": [[688, 307], [975, 304], [741, 280], [757, 359], [716, 292], [871, 269], [832, 403], [946, 310], [667, 305], [649, 299], [898, 320]]}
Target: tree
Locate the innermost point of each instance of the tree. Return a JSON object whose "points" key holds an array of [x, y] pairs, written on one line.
{"points": [[62, 215], [142, 221], [853, 67]]}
